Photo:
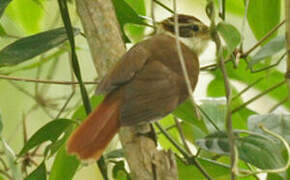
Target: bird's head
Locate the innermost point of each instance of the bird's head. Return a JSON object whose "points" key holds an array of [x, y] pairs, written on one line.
{"points": [[192, 32]]}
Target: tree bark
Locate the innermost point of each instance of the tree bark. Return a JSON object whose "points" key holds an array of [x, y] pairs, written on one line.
{"points": [[106, 45]]}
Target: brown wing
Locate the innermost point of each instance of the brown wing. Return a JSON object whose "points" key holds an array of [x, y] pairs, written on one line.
{"points": [[152, 94], [125, 69]]}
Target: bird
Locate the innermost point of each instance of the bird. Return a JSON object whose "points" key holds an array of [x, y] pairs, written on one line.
{"points": [[145, 85]]}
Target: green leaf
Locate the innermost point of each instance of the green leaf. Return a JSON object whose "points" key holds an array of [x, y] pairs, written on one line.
{"points": [[215, 109], [119, 171], [192, 132], [26, 13], [49, 132], [31, 46], [230, 34], [126, 14], [277, 123], [64, 166], [60, 169], [268, 50], [3, 5], [74, 58], [166, 122], [185, 111], [15, 168], [135, 32], [38, 174], [263, 15], [259, 151], [213, 168], [2, 31]]}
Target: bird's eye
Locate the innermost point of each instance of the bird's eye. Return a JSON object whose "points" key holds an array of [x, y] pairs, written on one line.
{"points": [[195, 28]]}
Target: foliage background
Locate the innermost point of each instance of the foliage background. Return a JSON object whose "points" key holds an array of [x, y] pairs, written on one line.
{"points": [[18, 99]]}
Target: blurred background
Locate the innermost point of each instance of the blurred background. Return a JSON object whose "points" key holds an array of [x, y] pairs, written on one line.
{"points": [[37, 104]]}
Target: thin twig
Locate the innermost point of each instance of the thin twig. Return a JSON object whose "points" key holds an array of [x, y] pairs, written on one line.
{"points": [[222, 8], [244, 25], [4, 164], [208, 118], [270, 66], [65, 104], [278, 170], [213, 66], [190, 159], [248, 87], [178, 147], [233, 153], [245, 54], [6, 174], [181, 134], [49, 75], [258, 96], [279, 104], [182, 61], [162, 5], [45, 81]]}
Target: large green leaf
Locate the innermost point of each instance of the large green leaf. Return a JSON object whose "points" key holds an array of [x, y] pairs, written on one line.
{"points": [[3, 5], [31, 46], [230, 34], [212, 168], [166, 122], [126, 14], [60, 169], [215, 110], [263, 15], [38, 174], [257, 150], [185, 111], [26, 13], [49, 132], [278, 123], [268, 50], [64, 166]]}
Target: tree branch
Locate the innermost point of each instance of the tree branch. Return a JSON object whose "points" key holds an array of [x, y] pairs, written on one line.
{"points": [[106, 45]]}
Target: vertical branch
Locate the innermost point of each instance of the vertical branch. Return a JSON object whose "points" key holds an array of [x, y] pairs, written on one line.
{"points": [[106, 45], [287, 75], [182, 61], [210, 9]]}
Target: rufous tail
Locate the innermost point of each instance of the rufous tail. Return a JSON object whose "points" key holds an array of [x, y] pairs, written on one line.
{"points": [[90, 139]]}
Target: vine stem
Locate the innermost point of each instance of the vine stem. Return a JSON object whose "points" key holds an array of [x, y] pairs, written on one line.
{"points": [[245, 54], [191, 159], [182, 61], [45, 81], [258, 96], [210, 10]]}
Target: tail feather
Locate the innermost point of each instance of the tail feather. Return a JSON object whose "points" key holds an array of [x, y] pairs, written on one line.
{"points": [[94, 134]]}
